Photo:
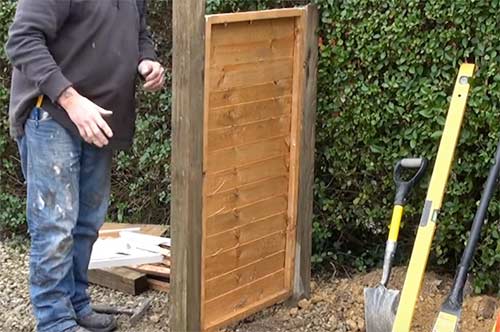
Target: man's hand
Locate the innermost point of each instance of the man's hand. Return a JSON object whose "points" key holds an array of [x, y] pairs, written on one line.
{"points": [[153, 73], [87, 116]]}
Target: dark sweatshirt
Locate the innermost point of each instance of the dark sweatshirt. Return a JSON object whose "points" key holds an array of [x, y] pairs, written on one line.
{"points": [[93, 45]]}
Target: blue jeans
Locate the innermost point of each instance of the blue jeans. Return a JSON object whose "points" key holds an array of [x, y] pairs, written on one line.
{"points": [[68, 184]]}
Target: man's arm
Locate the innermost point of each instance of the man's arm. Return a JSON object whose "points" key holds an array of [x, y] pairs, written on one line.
{"points": [[37, 22], [149, 68], [146, 45]]}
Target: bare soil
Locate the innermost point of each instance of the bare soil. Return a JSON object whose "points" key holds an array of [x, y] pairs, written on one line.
{"points": [[337, 305]]}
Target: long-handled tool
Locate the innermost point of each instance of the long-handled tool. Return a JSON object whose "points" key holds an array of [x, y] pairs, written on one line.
{"points": [[433, 201], [380, 302], [451, 309]]}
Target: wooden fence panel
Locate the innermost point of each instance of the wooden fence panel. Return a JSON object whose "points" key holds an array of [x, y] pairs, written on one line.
{"points": [[254, 107]]}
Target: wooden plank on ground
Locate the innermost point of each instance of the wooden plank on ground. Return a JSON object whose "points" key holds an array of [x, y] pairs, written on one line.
{"points": [[239, 176], [238, 95], [302, 275], [247, 233], [238, 156], [232, 259], [245, 297], [244, 275], [122, 279], [241, 114], [187, 160], [248, 133], [159, 285], [153, 270], [227, 201]]}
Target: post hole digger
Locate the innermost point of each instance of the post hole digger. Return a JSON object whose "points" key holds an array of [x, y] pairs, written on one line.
{"points": [[380, 302], [451, 309], [433, 201]]}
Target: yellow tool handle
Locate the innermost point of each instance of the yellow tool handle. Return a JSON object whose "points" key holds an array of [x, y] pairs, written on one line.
{"points": [[397, 215], [435, 193], [39, 101], [496, 328]]}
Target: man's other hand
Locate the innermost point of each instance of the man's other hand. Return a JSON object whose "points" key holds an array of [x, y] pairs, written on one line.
{"points": [[153, 74], [87, 116]]}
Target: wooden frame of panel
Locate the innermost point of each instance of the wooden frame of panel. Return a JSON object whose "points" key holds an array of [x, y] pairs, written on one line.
{"points": [[191, 205]]}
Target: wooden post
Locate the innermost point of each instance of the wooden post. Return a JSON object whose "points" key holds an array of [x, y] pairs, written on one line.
{"points": [[187, 159], [302, 275]]}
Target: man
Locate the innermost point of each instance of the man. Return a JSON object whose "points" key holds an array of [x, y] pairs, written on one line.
{"points": [[72, 103]]}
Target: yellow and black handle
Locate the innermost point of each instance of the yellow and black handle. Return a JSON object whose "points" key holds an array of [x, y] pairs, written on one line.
{"points": [[403, 189]]}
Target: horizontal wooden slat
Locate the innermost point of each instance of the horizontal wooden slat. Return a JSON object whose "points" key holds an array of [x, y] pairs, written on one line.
{"points": [[238, 176], [249, 74], [245, 234], [235, 258], [244, 275], [244, 195], [255, 51], [240, 155], [248, 31], [234, 96], [227, 137], [249, 112], [245, 215], [244, 297]]}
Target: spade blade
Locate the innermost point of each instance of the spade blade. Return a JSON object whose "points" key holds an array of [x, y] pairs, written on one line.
{"points": [[380, 308]]}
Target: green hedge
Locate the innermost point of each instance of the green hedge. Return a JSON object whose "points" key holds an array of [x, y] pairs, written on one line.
{"points": [[386, 72]]}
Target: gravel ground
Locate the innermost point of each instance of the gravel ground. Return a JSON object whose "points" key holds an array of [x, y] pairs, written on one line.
{"points": [[336, 305]]}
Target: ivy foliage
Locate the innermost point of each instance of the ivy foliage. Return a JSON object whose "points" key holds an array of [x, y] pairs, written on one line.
{"points": [[386, 73]]}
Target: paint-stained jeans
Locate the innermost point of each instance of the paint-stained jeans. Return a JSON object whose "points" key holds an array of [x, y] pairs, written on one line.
{"points": [[68, 193]]}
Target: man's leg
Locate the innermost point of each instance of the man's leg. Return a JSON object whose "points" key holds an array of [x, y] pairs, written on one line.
{"points": [[51, 157], [95, 184]]}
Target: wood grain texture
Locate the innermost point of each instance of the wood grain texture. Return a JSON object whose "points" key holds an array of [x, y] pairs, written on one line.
{"points": [[245, 297], [249, 112], [244, 32], [235, 198], [302, 275], [238, 95], [244, 215], [250, 74], [120, 278], [247, 233], [254, 15], [187, 162], [253, 112], [159, 285], [227, 137], [252, 51], [252, 172], [237, 156], [244, 275], [232, 259]]}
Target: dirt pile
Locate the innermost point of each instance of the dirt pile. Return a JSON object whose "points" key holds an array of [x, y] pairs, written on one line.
{"points": [[337, 306]]}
